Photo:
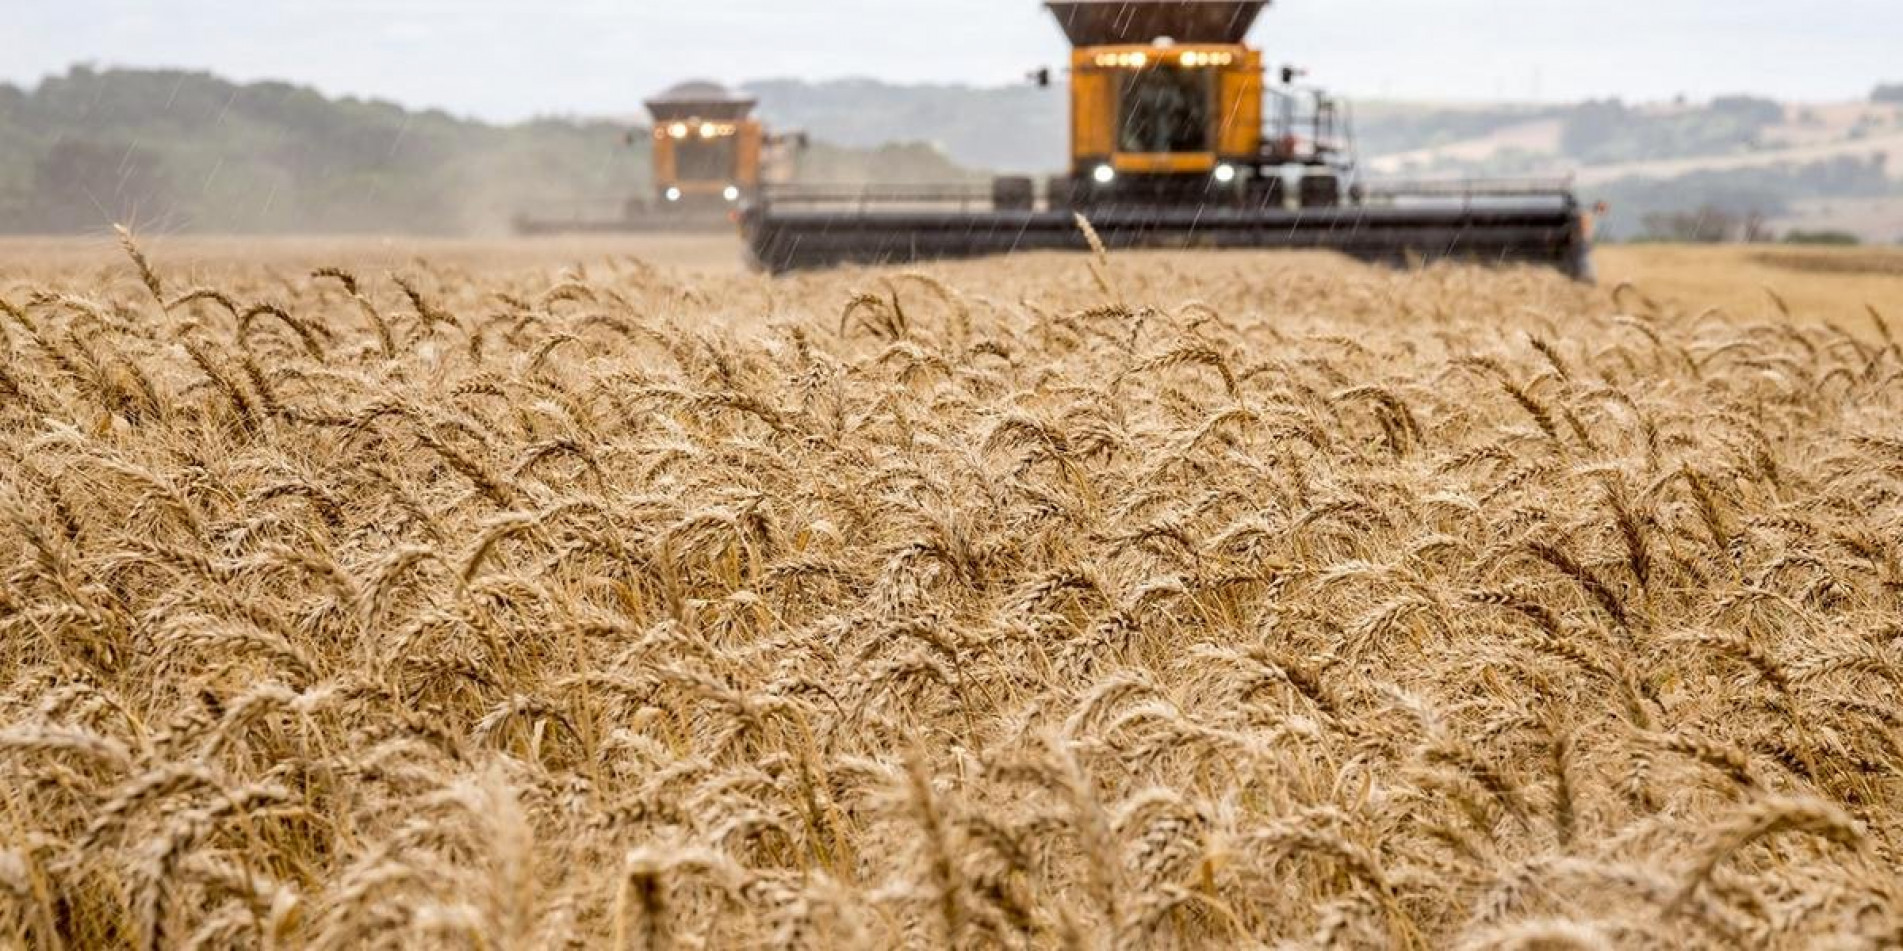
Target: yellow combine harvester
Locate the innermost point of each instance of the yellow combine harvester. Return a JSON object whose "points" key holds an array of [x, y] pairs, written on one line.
{"points": [[1180, 139], [709, 156]]}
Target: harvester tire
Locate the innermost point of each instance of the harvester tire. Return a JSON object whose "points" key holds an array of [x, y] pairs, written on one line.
{"points": [[1268, 192], [1320, 191], [1013, 193], [1059, 193]]}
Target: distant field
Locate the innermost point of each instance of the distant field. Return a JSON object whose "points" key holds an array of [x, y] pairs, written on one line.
{"points": [[1831, 284], [598, 594], [22, 255], [1876, 219], [1816, 284]]}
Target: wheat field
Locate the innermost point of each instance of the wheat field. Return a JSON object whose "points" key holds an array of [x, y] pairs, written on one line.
{"points": [[1161, 601], [1811, 284]]}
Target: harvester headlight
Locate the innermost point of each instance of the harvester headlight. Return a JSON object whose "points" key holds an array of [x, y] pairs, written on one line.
{"points": [[732, 193], [1195, 59], [673, 194], [678, 130], [708, 130], [1103, 174], [1225, 174]]}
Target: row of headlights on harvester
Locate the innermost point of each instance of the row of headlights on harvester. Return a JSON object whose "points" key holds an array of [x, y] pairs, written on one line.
{"points": [[1191, 59], [707, 130], [1225, 174], [673, 194]]}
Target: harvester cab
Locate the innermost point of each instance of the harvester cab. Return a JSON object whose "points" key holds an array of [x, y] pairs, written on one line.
{"points": [[1169, 105], [1179, 139], [707, 149]]}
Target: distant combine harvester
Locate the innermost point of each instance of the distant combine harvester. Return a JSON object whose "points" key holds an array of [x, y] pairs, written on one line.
{"points": [[710, 157]]}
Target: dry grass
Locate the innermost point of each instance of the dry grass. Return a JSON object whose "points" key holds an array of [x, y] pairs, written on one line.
{"points": [[1284, 603]]}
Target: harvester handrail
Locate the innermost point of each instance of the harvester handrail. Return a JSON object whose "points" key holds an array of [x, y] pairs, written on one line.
{"points": [[1469, 193], [965, 196], [1476, 187]]}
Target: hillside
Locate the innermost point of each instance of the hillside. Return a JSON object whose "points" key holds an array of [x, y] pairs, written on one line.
{"points": [[178, 151], [1794, 166], [188, 151]]}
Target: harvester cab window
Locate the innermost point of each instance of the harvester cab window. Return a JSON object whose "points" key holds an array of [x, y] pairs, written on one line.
{"points": [[1166, 109], [706, 159]]}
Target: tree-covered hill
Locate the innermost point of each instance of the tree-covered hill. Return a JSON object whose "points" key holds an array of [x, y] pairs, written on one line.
{"points": [[182, 151], [188, 151]]}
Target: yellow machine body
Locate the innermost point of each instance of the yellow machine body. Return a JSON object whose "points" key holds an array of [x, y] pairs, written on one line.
{"points": [[702, 158], [1106, 79]]}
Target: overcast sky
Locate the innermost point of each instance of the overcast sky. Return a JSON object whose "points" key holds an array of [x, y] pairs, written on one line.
{"points": [[509, 59]]}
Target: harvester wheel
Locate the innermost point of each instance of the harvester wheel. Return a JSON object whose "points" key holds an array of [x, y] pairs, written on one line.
{"points": [[1320, 191], [1268, 192], [1059, 193], [1013, 193]]}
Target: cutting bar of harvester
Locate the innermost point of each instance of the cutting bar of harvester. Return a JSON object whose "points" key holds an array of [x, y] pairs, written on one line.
{"points": [[1496, 223]]}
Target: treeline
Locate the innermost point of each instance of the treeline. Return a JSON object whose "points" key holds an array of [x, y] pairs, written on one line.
{"points": [[183, 151], [188, 151]]}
